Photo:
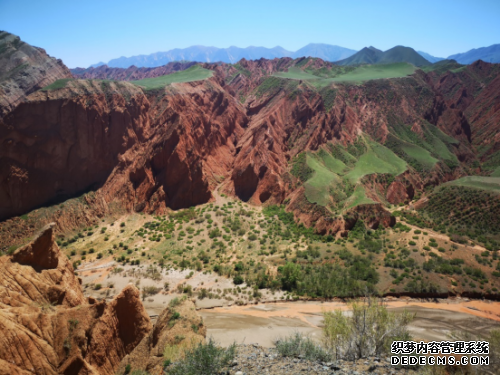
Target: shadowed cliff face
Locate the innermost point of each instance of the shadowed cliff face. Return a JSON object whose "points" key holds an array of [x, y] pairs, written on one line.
{"points": [[238, 131], [59, 144]]}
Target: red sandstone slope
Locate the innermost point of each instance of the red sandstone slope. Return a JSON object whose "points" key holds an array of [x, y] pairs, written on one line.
{"points": [[194, 128], [48, 327], [484, 114], [23, 70]]}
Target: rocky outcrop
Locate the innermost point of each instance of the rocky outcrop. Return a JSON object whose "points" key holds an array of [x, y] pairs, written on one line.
{"points": [[167, 331], [47, 325], [39, 272], [373, 215], [484, 117], [23, 70]]}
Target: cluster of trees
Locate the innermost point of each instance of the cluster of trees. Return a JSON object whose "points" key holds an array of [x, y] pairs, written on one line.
{"points": [[355, 278]]}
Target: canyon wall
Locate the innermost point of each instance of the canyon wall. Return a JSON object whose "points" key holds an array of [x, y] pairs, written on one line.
{"points": [[238, 131]]}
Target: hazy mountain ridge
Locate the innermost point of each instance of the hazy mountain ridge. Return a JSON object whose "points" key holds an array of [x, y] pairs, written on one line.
{"points": [[228, 55], [323, 51], [489, 54], [429, 57]]}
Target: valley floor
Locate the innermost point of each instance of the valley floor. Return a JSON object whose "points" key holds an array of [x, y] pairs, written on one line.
{"points": [[264, 321]]}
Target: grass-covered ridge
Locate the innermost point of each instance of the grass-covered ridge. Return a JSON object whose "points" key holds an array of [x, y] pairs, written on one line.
{"points": [[324, 77], [369, 72], [332, 175], [195, 73], [59, 84], [477, 182]]}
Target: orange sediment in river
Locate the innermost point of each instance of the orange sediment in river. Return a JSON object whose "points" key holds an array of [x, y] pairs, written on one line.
{"points": [[299, 310]]}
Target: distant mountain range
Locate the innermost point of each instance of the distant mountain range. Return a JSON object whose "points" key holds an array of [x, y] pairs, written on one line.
{"points": [[327, 52], [228, 55], [430, 58], [489, 54]]}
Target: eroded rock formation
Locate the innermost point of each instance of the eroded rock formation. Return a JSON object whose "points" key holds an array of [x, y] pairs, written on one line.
{"points": [[148, 355], [47, 325]]}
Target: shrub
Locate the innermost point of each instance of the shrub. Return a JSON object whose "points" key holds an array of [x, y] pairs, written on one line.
{"points": [[297, 345], [188, 289], [237, 280], [175, 302], [204, 359], [149, 291], [203, 293]]}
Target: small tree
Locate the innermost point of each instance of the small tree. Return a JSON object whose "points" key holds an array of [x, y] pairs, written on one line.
{"points": [[336, 331], [369, 331], [290, 276]]}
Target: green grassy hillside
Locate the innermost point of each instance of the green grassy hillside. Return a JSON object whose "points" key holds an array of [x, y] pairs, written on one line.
{"points": [[195, 73], [333, 174], [368, 55], [369, 72], [422, 152], [403, 54]]}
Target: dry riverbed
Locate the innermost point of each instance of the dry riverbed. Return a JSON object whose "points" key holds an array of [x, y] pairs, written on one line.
{"points": [[263, 323], [272, 317]]}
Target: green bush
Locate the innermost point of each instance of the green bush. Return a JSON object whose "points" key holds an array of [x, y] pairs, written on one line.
{"points": [[297, 345], [300, 169], [369, 331], [204, 359]]}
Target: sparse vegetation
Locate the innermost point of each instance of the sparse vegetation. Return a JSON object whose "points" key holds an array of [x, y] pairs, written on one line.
{"points": [[204, 359]]}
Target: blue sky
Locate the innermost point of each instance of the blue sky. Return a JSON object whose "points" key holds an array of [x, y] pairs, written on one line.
{"points": [[86, 32]]}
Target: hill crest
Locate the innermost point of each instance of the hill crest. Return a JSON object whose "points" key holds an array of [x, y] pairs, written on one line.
{"points": [[372, 55]]}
